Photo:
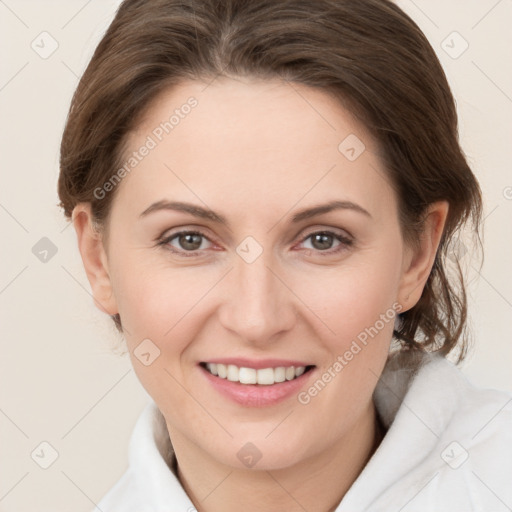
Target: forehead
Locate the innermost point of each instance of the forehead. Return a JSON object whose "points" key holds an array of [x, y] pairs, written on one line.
{"points": [[275, 114], [244, 140]]}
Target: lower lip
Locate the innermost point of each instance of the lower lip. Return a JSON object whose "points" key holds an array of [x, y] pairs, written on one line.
{"points": [[257, 395]]}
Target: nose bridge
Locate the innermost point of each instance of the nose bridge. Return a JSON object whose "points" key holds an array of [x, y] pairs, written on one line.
{"points": [[257, 304]]}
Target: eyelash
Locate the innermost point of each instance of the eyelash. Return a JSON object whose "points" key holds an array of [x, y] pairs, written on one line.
{"points": [[345, 242]]}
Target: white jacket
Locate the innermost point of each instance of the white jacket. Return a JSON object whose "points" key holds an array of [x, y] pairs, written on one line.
{"points": [[448, 448]]}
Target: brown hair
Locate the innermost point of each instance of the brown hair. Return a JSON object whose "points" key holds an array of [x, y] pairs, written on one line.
{"points": [[367, 53]]}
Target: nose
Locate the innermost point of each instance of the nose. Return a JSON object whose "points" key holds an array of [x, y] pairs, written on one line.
{"points": [[258, 305]]}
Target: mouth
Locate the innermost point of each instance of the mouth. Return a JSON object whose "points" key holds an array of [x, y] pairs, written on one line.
{"points": [[259, 376]]}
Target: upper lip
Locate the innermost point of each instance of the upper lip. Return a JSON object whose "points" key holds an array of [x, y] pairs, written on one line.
{"points": [[257, 364]]}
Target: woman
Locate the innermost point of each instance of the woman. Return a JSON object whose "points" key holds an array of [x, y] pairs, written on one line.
{"points": [[266, 197]]}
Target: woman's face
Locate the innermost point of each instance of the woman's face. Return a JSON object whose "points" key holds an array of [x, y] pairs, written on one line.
{"points": [[269, 285]]}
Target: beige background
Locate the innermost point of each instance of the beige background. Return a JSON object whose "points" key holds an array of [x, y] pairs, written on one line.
{"points": [[60, 382]]}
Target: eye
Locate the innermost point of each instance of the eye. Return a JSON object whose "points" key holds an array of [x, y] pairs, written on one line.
{"points": [[322, 241], [186, 242], [191, 243]]}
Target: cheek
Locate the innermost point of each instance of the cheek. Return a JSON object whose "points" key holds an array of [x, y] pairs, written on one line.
{"points": [[157, 302], [161, 306], [352, 298], [359, 307]]}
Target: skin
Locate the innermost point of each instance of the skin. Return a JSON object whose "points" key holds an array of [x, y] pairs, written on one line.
{"points": [[257, 152]]}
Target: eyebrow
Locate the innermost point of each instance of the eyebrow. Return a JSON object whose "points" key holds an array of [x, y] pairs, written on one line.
{"points": [[205, 213]]}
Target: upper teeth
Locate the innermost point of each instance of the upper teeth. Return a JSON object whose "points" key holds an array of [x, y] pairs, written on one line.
{"points": [[265, 376]]}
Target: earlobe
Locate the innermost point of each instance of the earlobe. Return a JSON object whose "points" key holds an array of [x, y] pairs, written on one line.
{"points": [[94, 258], [419, 260]]}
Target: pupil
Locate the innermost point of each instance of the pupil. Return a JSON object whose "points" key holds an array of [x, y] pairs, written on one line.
{"points": [[190, 241], [324, 241]]}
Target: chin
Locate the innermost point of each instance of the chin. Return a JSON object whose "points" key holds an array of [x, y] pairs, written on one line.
{"points": [[258, 454]]}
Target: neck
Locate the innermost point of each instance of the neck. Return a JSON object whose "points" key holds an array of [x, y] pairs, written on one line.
{"points": [[318, 483]]}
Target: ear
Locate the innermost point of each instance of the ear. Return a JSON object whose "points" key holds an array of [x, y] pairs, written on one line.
{"points": [[94, 258], [418, 261]]}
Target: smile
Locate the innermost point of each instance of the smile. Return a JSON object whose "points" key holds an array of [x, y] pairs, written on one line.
{"points": [[262, 376]]}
